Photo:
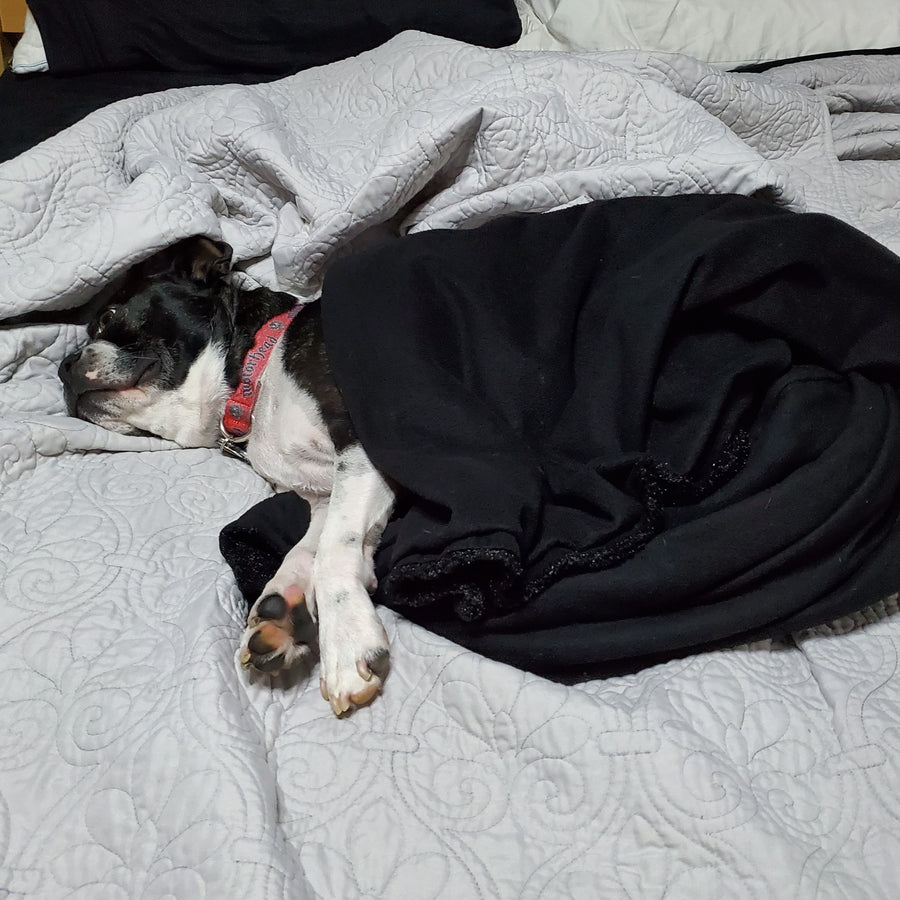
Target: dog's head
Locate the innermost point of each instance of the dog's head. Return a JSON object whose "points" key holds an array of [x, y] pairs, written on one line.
{"points": [[154, 361]]}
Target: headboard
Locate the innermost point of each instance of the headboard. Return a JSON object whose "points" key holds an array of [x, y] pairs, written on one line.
{"points": [[12, 21], [12, 16]]}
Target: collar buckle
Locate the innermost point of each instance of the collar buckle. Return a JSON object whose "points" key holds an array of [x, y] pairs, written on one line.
{"points": [[232, 445], [233, 449]]}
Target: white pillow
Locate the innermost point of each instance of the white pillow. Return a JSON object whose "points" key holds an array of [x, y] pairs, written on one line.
{"points": [[726, 33], [28, 55]]}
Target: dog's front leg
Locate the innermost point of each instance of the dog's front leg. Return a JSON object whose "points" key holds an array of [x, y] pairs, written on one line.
{"points": [[352, 641], [280, 627]]}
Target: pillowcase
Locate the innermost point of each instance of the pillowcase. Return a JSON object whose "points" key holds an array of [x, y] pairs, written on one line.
{"points": [[28, 55], [726, 33], [267, 36]]}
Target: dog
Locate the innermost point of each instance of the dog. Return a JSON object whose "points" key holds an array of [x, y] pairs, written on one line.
{"points": [[182, 352]]}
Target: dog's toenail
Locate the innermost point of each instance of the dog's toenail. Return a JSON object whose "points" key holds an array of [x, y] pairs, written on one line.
{"points": [[364, 671], [272, 607], [362, 697]]}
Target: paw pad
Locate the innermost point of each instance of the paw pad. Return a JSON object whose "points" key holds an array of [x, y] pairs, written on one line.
{"points": [[278, 631], [272, 607]]}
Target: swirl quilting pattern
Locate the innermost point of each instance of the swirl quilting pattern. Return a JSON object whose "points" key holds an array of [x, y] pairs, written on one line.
{"points": [[137, 759]]}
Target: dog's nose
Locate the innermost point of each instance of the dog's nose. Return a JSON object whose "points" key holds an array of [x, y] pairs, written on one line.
{"points": [[70, 360], [71, 378], [65, 367], [70, 393]]}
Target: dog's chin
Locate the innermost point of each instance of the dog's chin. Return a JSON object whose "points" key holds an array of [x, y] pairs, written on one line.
{"points": [[109, 409]]}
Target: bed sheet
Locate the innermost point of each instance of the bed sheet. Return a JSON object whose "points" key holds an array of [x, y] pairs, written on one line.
{"points": [[137, 759]]}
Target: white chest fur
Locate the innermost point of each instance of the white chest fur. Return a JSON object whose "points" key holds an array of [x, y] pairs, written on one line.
{"points": [[289, 444], [189, 414]]}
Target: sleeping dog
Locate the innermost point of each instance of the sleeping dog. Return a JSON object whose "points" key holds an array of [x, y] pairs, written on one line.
{"points": [[183, 353]]}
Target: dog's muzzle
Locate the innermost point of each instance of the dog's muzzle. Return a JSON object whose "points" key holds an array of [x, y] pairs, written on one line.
{"points": [[95, 373]]}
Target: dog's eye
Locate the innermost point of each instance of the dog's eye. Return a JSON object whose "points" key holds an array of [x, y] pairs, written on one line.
{"points": [[105, 318]]}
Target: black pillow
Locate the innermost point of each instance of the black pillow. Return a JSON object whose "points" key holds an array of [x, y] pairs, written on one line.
{"points": [[272, 36]]}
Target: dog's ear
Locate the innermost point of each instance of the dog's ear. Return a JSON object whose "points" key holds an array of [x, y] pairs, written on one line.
{"points": [[199, 258], [209, 259]]}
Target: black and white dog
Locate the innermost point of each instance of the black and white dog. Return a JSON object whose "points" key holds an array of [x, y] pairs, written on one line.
{"points": [[183, 353]]}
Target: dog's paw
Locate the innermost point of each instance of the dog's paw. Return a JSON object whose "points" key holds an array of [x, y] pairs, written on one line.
{"points": [[355, 661], [279, 632]]}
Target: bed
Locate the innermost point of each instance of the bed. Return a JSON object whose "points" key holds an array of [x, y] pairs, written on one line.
{"points": [[137, 757]]}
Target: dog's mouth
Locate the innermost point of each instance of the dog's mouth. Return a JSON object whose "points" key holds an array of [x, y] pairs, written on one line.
{"points": [[102, 399], [146, 370]]}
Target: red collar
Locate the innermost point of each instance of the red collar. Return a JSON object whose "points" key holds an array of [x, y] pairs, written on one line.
{"points": [[238, 417]]}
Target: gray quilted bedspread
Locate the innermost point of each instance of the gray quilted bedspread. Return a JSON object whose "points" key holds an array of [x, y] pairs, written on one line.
{"points": [[138, 760]]}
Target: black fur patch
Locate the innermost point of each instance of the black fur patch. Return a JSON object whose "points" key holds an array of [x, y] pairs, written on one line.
{"points": [[306, 358], [168, 318]]}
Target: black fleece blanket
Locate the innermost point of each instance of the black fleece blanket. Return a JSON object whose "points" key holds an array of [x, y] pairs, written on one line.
{"points": [[623, 431]]}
